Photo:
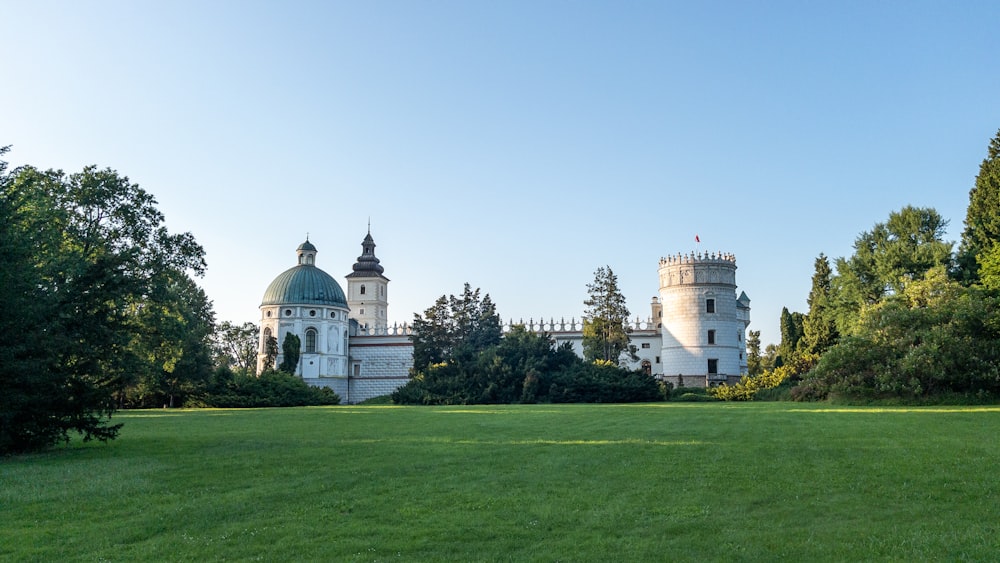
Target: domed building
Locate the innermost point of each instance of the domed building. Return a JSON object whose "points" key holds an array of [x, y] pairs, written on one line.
{"points": [[307, 302], [694, 336]]}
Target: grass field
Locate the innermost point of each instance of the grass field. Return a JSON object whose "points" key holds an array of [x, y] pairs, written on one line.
{"points": [[707, 481]]}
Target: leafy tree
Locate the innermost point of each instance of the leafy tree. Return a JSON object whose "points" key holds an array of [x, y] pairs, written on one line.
{"points": [[455, 328], [236, 345], [291, 348], [791, 333], [819, 327], [98, 251], [605, 325], [886, 259], [528, 368], [770, 358], [754, 360], [171, 332], [989, 268], [936, 337], [982, 218]]}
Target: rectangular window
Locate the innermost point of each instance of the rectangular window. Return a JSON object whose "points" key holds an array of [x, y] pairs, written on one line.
{"points": [[711, 337], [710, 305], [357, 370], [657, 359], [713, 366], [645, 344]]}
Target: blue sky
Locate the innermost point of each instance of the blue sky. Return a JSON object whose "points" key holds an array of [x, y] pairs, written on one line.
{"points": [[516, 146]]}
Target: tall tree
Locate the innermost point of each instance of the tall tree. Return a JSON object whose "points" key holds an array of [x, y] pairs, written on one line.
{"points": [[754, 362], [982, 218], [270, 353], [791, 333], [236, 345], [455, 327], [886, 259], [291, 349], [172, 332], [98, 247], [605, 325], [819, 327]]}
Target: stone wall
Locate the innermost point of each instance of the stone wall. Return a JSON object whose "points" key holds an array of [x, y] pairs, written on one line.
{"points": [[379, 366]]}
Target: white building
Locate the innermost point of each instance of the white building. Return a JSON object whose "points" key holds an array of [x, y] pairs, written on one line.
{"points": [[695, 335], [346, 344]]}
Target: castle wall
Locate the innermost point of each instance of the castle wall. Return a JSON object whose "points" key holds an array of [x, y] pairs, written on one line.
{"points": [[379, 366]]}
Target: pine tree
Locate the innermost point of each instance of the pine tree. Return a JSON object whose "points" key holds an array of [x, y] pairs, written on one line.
{"points": [[982, 219], [605, 326], [819, 326]]}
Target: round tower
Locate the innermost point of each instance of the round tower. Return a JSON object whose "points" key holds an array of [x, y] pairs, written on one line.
{"points": [[368, 291], [704, 323]]}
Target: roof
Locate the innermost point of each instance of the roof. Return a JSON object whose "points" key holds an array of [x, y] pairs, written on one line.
{"points": [[367, 265], [304, 284]]}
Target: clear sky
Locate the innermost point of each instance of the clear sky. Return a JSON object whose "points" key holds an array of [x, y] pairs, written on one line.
{"points": [[514, 145]]}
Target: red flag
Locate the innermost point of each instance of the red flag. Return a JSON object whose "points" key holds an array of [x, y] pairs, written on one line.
{"points": [[696, 239]]}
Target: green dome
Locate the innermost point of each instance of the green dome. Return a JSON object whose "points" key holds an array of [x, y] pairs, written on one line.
{"points": [[304, 284]]}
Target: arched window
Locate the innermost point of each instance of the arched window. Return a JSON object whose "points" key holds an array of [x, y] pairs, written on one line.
{"points": [[362, 290], [310, 341], [264, 341], [647, 368]]}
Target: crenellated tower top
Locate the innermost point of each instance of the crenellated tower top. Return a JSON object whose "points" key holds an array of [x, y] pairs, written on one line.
{"points": [[698, 268], [693, 257]]}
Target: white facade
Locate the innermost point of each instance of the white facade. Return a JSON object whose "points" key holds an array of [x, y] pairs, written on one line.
{"points": [[307, 302], [695, 334], [704, 323], [368, 291]]}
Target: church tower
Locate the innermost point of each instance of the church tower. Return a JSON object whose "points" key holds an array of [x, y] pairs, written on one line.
{"points": [[704, 322], [367, 291]]}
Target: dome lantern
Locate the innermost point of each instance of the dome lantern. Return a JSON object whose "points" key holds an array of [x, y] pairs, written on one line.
{"points": [[304, 284]]}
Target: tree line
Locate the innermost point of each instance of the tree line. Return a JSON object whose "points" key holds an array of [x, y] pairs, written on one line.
{"points": [[905, 317], [101, 311], [461, 356]]}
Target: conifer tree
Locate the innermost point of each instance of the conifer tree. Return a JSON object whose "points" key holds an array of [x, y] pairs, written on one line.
{"points": [[819, 326], [455, 327], [605, 326], [982, 219], [291, 349]]}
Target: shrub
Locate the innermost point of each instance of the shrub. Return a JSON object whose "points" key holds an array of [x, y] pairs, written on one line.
{"points": [[270, 389]]}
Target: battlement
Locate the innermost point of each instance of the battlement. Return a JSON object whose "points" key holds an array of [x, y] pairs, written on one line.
{"points": [[695, 269], [550, 326], [699, 258]]}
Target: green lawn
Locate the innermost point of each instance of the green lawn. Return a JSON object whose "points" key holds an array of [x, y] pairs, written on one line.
{"points": [[706, 481]]}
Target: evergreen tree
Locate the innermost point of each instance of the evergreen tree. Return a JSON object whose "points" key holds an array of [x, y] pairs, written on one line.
{"points": [[819, 326], [605, 325], [982, 219], [791, 333], [455, 328], [291, 348], [97, 252]]}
